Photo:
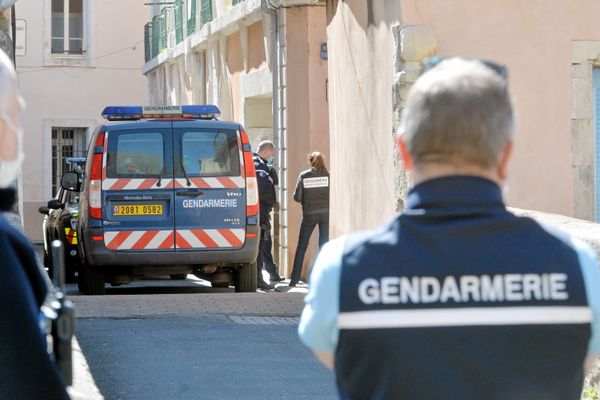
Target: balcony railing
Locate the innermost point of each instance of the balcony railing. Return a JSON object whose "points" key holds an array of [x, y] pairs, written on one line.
{"points": [[174, 23]]}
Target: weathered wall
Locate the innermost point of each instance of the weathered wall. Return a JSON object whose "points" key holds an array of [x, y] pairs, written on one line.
{"points": [[235, 67], [256, 42], [534, 39], [361, 48], [307, 106], [552, 165]]}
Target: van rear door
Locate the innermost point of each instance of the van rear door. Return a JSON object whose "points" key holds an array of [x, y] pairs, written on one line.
{"points": [[137, 188], [210, 195]]}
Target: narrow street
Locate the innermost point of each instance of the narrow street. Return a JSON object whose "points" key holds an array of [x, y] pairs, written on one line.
{"points": [[163, 339]]}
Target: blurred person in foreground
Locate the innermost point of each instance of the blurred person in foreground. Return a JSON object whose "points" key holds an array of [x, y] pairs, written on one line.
{"points": [[456, 298], [26, 370]]}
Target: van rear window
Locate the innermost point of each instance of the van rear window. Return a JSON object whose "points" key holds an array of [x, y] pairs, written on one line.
{"points": [[206, 153], [136, 155]]}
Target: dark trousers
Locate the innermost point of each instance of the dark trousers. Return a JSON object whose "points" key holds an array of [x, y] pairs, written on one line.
{"points": [[306, 228], [268, 262], [265, 244]]}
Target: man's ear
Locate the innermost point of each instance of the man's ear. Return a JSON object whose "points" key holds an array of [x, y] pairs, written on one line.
{"points": [[404, 153], [502, 168]]}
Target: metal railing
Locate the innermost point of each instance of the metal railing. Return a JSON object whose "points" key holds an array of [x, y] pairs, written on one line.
{"points": [[167, 28]]}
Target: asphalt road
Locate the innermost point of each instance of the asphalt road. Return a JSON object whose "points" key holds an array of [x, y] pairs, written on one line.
{"points": [[201, 357], [164, 339]]}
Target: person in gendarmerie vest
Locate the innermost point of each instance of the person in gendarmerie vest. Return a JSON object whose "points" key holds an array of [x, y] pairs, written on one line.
{"points": [[312, 190], [456, 298], [267, 198], [26, 370]]}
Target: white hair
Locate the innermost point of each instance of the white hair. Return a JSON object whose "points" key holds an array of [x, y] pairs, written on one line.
{"points": [[265, 145], [460, 110]]}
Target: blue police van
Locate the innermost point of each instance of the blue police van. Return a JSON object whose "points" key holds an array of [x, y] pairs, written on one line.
{"points": [[168, 190]]}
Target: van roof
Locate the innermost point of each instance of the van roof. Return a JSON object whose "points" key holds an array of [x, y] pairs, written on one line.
{"points": [[196, 123]]}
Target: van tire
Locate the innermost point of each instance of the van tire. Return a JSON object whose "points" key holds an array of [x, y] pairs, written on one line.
{"points": [[91, 280], [246, 278]]}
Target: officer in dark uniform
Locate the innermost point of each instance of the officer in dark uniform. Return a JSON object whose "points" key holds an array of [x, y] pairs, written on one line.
{"points": [[457, 298], [312, 191], [267, 198]]}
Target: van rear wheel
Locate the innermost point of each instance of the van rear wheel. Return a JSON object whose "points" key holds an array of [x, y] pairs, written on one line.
{"points": [[246, 278], [91, 280]]}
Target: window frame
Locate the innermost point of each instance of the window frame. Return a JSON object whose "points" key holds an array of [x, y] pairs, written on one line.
{"points": [[112, 167], [86, 58], [181, 132]]}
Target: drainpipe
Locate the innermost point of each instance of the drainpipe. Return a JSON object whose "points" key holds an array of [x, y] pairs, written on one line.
{"points": [[279, 125]]}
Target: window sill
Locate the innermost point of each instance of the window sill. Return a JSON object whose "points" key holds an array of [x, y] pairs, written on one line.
{"points": [[68, 60]]}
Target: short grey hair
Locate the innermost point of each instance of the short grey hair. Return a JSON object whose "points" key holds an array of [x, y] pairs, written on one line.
{"points": [[461, 111], [265, 145]]}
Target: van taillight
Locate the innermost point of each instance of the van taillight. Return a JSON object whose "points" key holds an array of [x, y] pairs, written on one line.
{"points": [[95, 182], [250, 172]]}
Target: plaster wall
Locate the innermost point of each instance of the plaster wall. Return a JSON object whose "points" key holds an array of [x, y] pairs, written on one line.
{"points": [[535, 40], [361, 67], [235, 67], [256, 42], [72, 91], [307, 107]]}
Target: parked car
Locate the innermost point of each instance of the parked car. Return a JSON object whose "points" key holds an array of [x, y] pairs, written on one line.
{"points": [[60, 223], [169, 190]]}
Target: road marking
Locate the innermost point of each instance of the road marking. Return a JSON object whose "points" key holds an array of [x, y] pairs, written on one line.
{"points": [[249, 320]]}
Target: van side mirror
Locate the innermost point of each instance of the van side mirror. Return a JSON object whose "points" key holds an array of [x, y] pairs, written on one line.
{"points": [[70, 181], [44, 210], [55, 204]]}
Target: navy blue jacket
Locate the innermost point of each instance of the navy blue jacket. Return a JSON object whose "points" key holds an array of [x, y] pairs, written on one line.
{"points": [[26, 370], [266, 188], [459, 299]]}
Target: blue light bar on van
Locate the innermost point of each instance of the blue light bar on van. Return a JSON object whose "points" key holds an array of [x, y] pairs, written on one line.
{"points": [[121, 113], [115, 113]]}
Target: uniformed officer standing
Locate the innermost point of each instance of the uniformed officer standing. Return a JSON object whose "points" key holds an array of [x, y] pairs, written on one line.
{"points": [[267, 198], [312, 191], [456, 298]]}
